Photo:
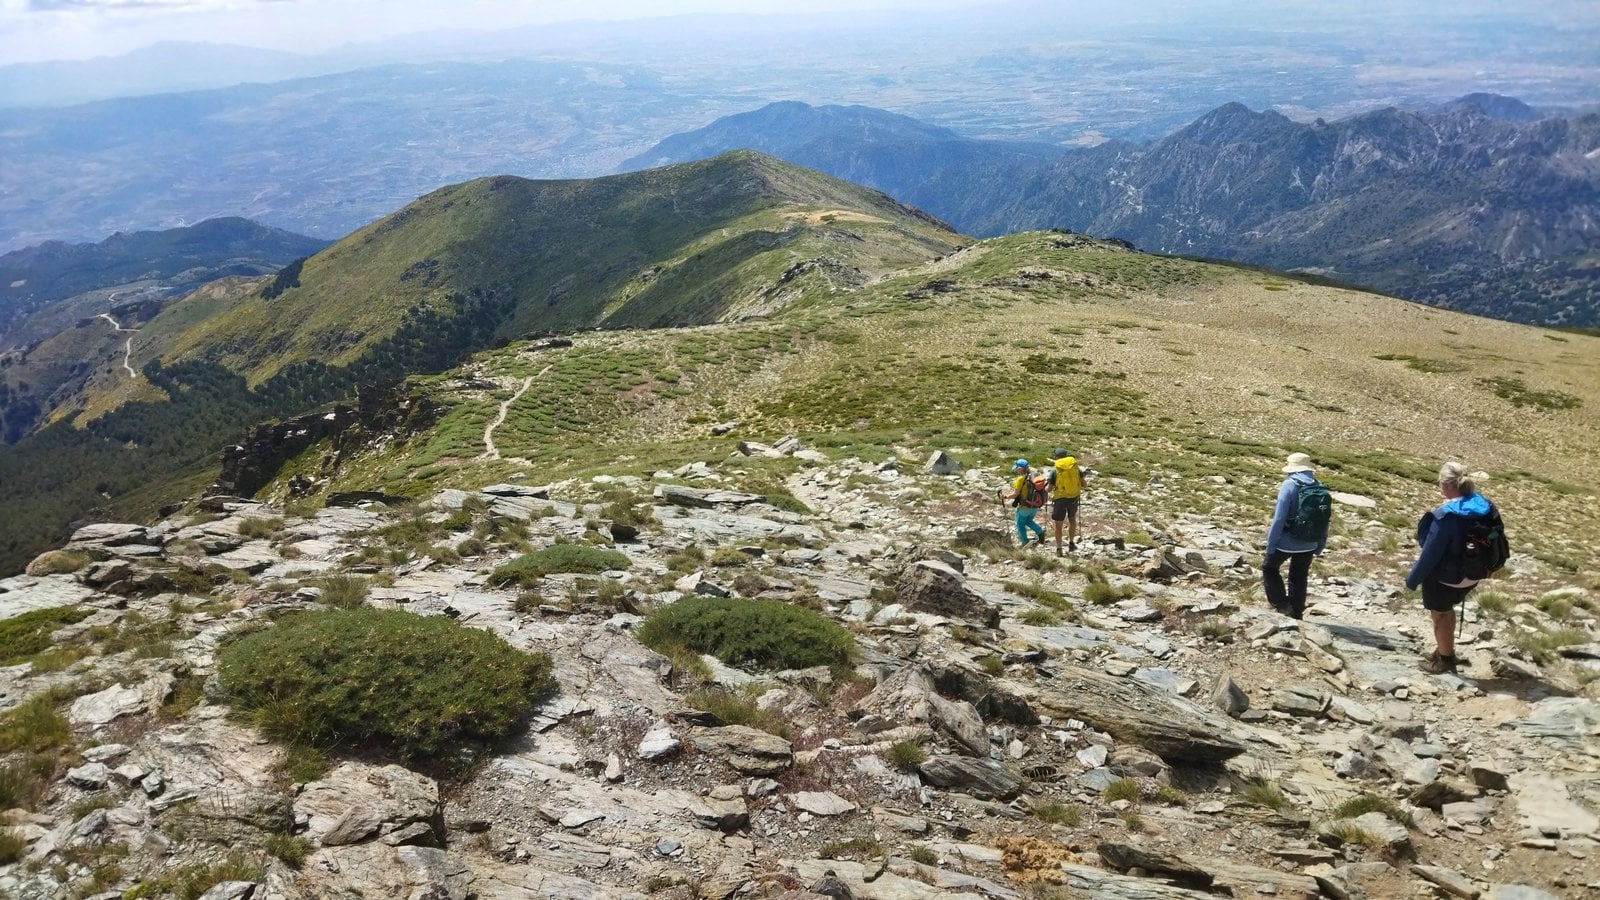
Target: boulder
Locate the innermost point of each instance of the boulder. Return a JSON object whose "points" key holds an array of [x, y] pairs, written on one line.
{"points": [[748, 750], [982, 778], [703, 498], [939, 463], [1228, 697], [1132, 712], [358, 802], [821, 803], [908, 698], [932, 587]]}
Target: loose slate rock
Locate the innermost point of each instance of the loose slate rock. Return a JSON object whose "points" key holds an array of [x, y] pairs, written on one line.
{"points": [[932, 587], [1135, 713], [822, 803], [751, 751], [982, 778], [1128, 856]]}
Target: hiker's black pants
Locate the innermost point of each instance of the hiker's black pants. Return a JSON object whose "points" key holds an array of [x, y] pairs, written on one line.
{"points": [[1291, 601]]}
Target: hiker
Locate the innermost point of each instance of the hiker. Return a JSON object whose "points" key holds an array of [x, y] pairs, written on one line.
{"points": [[1299, 531], [1066, 481], [1027, 495], [1443, 569]]}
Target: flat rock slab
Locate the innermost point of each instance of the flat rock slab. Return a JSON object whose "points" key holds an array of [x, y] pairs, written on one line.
{"points": [[1130, 711], [982, 778], [822, 803], [1571, 721], [357, 802], [26, 593], [749, 750], [703, 498], [1547, 806], [1102, 884]]}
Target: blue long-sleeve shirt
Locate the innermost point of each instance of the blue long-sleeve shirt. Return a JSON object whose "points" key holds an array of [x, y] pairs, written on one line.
{"points": [[1278, 536], [1440, 532]]}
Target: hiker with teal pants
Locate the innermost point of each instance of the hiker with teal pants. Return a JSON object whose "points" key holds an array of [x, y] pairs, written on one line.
{"points": [[1027, 496]]}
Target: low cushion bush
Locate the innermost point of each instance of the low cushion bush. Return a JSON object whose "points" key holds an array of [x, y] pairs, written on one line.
{"points": [[768, 634], [528, 568], [23, 636], [385, 679]]}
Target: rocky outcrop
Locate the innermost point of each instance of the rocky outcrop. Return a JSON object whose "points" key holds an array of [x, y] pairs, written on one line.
{"points": [[254, 461]]}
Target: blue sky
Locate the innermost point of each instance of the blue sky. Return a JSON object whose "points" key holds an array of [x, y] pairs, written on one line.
{"points": [[32, 30]]}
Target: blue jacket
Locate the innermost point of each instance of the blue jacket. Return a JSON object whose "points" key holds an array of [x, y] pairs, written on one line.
{"points": [[1278, 537], [1440, 533]]}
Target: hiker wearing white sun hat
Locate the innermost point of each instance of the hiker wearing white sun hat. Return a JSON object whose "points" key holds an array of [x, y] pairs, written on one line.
{"points": [[1299, 531]]}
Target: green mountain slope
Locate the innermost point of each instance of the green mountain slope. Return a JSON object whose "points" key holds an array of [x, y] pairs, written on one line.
{"points": [[459, 270], [738, 234], [1186, 380]]}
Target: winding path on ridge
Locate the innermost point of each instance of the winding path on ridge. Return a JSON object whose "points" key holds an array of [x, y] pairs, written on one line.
{"points": [[127, 349], [490, 451]]}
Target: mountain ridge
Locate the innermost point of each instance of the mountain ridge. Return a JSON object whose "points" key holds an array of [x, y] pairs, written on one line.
{"points": [[1457, 208]]}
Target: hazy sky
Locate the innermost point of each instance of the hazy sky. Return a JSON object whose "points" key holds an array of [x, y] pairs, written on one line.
{"points": [[33, 30]]}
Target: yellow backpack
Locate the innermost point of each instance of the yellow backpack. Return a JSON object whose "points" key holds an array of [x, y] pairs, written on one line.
{"points": [[1068, 480]]}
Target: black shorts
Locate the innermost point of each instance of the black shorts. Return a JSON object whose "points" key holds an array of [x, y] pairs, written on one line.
{"points": [[1061, 507], [1442, 597]]}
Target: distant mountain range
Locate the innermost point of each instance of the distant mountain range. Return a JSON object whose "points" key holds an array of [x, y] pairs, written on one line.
{"points": [[1481, 205], [145, 264]]}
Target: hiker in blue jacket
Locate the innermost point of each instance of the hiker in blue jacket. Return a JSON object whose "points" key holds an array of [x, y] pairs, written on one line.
{"points": [[1440, 566], [1283, 546]]}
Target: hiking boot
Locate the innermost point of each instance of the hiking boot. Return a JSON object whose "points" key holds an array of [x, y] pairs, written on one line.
{"points": [[1437, 663], [1058, 553]]}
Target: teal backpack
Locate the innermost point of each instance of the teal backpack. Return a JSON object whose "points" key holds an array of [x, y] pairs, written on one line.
{"points": [[1313, 507]]}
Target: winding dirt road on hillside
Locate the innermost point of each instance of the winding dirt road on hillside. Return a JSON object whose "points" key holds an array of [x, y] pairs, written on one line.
{"points": [[127, 349]]}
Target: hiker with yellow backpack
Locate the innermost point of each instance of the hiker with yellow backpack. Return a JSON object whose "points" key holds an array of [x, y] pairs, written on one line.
{"points": [[1028, 493], [1066, 487]]}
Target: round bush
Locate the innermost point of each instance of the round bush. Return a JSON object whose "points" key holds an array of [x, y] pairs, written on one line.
{"points": [[770, 634], [528, 568], [398, 681]]}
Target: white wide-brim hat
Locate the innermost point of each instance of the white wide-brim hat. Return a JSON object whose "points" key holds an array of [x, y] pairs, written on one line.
{"points": [[1297, 462]]}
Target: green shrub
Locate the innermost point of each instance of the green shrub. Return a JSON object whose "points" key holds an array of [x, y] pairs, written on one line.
{"points": [[255, 527], [527, 569], [292, 849], [12, 846], [23, 636], [402, 682], [906, 755], [34, 725], [1122, 789], [344, 591], [923, 855], [191, 881], [1262, 793], [1060, 814], [1360, 806], [766, 633]]}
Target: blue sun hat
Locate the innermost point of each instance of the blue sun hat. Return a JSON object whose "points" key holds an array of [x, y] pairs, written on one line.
{"points": [[1021, 464]]}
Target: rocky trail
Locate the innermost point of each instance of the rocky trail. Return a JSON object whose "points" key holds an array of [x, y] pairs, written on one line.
{"points": [[490, 451], [1127, 722]]}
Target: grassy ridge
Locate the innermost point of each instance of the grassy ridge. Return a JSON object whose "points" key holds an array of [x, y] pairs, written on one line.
{"points": [[1176, 373], [691, 241]]}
